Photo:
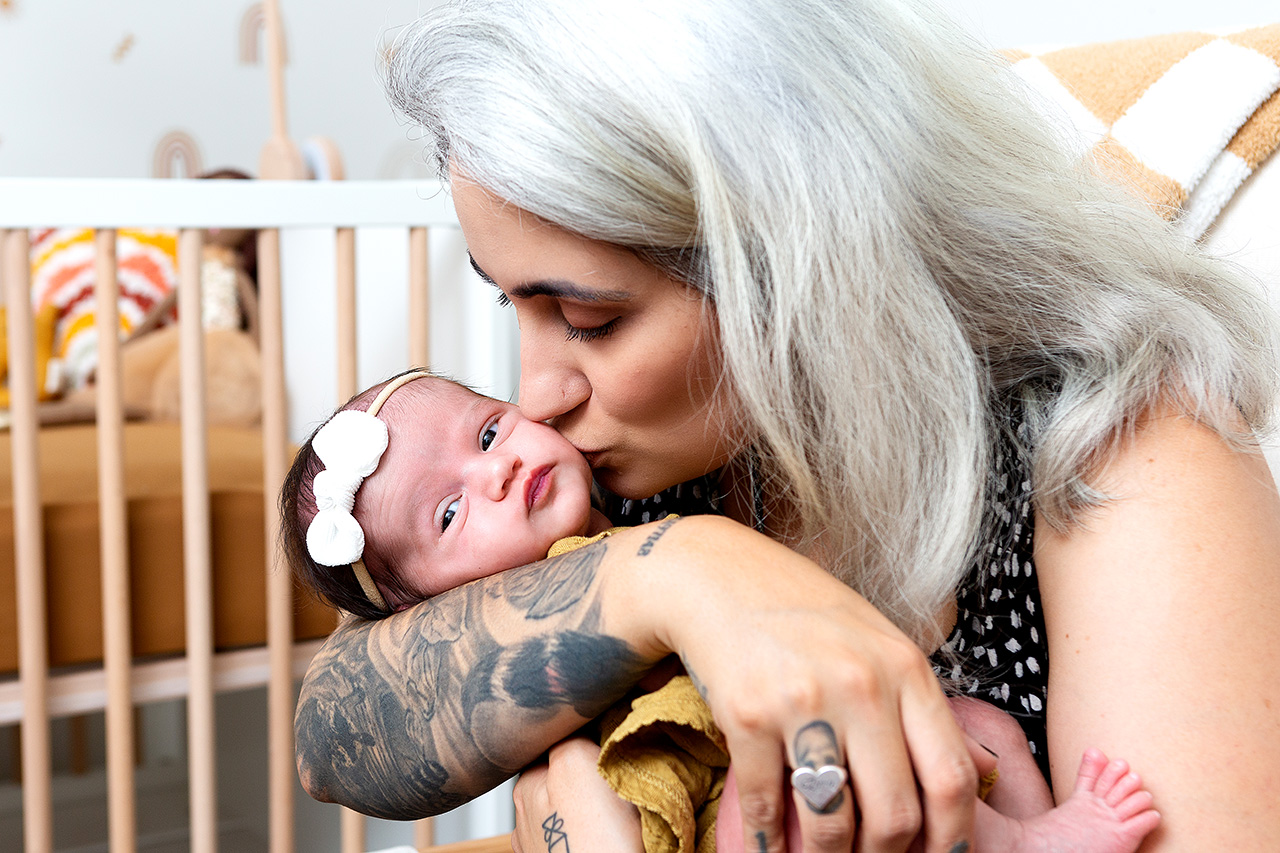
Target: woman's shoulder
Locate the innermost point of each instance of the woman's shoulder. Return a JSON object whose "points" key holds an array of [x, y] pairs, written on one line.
{"points": [[1160, 604]]}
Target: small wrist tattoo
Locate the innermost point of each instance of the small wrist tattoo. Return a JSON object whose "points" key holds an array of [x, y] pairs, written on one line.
{"points": [[554, 835]]}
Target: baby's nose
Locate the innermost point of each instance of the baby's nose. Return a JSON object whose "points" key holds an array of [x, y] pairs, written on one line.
{"points": [[499, 474]]}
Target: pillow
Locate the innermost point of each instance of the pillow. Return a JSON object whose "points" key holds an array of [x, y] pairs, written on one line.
{"points": [[62, 276]]}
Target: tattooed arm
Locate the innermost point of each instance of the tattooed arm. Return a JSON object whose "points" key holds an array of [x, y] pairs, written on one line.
{"points": [[420, 712], [424, 710]]}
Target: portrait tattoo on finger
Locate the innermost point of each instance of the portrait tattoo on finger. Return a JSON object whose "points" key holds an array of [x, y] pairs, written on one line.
{"points": [[815, 746], [554, 835]]}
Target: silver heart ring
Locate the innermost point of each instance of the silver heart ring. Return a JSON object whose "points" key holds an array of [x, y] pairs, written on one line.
{"points": [[819, 787]]}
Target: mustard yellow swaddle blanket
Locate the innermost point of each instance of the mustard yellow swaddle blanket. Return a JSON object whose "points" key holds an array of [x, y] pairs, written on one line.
{"points": [[665, 755]]}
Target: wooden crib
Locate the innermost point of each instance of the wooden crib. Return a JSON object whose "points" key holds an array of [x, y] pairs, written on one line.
{"points": [[121, 681]]}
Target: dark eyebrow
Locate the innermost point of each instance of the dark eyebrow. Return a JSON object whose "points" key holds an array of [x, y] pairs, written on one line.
{"points": [[558, 288]]}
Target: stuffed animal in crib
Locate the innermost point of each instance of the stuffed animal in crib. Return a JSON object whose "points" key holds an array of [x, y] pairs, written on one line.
{"points": [[63, 278], [150, 355], [48, 367]]}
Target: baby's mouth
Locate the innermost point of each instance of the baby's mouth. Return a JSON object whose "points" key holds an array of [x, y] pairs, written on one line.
{"points": [[537, 485]]}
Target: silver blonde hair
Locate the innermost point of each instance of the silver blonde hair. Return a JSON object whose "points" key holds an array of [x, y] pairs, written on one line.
{"points": [[898, 254]]}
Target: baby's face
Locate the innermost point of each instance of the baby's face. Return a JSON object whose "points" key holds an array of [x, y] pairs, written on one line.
{"points": [[469, 487]]}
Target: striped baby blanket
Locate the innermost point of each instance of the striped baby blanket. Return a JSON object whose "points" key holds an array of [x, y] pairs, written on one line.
{"points": [[1183, 119]]}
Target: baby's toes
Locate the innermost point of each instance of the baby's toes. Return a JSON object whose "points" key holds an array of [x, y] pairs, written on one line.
{"points": [[1092, 763], [1134, 804], [1121, 789], [1110, 776]]}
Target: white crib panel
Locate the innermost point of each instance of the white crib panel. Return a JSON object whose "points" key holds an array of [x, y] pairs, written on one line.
{"points": [[124, 203], [382, 299]]}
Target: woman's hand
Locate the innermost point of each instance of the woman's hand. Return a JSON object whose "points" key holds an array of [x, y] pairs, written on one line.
{"points": [[418, 713], [564, 805], [800, 671]]}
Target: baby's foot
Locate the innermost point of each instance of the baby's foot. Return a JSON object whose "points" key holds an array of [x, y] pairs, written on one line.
{"points": [[1107, 812]]}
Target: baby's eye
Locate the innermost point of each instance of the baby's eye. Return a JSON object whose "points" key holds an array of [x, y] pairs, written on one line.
{"points": [[449, 512], [489, 436]]}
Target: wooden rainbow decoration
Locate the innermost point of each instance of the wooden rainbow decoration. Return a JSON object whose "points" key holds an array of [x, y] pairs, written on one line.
{"points": [[174, 147], [253, 25]]}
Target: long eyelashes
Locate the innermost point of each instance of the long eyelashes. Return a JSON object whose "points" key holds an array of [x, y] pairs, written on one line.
{"points": [[574, 333]]}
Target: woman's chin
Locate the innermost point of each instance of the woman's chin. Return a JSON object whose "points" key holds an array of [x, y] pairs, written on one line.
{"points": [[633, 486]]}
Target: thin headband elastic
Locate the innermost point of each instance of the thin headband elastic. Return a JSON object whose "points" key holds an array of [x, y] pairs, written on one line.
{"points": [[350, 445]]}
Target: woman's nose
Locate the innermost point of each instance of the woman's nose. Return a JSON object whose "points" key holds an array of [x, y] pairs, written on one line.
{"points": [[548, 390]]}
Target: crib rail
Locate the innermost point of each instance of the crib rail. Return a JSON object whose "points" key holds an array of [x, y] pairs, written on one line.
{"points": [[122, 683]]}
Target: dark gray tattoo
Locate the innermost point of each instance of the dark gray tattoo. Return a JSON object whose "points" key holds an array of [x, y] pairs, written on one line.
{"points": [[553, 833], [761, 843], [420, 712], [697, 682], [815, 745], [657, 534], [961, 847]]}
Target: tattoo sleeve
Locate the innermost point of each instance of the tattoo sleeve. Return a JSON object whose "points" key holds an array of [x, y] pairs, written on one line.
{"points": [[420, 712]]}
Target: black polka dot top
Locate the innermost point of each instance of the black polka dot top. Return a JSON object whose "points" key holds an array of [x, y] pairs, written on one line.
{"points": [[997, 651]]}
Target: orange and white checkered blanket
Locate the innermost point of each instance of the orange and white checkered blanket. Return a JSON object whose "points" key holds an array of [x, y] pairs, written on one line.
{"points": [[1183, 119]]}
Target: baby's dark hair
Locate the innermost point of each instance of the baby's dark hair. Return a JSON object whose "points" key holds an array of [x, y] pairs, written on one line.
{"points": [[335, 584]]}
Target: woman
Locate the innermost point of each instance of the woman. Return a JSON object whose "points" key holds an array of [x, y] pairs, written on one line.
{"points": [[822, 249]]}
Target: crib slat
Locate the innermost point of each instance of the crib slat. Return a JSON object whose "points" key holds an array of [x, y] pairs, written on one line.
{"points": [[345, 252], [116, 616], [420, 356], [424, 833], [275, 452], [196, 546], [353, 832], [33, 651], [353, 823], [419, 299]]}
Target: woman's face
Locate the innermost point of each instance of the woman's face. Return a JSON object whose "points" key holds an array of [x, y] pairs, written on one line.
{"points": [[615, 354]]}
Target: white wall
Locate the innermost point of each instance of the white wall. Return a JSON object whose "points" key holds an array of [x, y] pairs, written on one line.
{"points": [[93, 88]]}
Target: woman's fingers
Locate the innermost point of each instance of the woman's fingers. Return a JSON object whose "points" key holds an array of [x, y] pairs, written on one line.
{"points": [[778, 645], [883, 784], [761, 794], [881, 771], [821, 795], [944, 769]]}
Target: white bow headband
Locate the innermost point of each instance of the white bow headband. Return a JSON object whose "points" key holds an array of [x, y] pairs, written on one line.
{"points": [[350, 445]]}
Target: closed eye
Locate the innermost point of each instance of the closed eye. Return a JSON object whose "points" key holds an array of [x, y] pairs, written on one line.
{"points": [[577, 333]]}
